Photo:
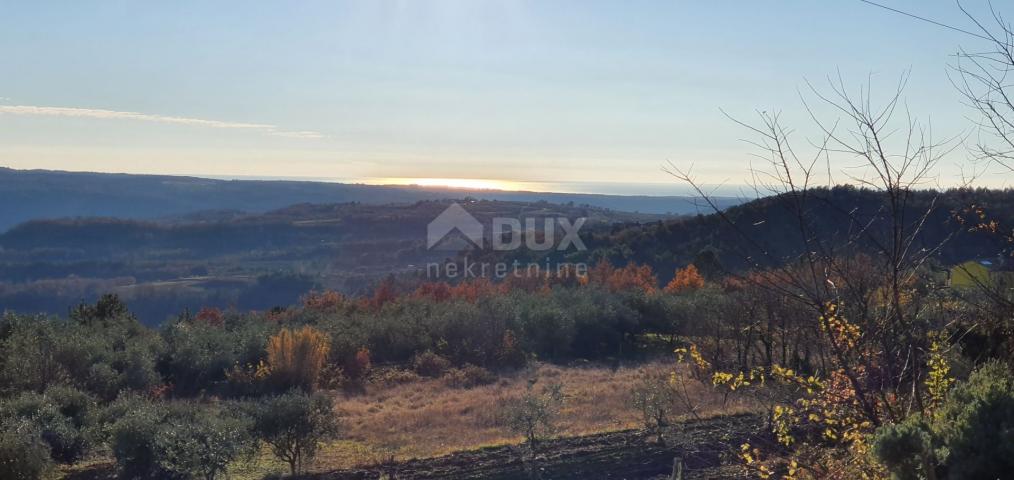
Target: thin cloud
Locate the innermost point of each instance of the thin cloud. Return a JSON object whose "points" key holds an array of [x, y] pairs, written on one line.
{"points": [[297, 134], [146, 117]]}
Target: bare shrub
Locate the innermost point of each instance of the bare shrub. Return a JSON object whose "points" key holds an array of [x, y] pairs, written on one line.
{"points": [[654, 394], [533, 415]]}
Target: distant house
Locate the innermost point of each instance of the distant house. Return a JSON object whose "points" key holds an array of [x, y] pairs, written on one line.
{"points": [[990, 273]]}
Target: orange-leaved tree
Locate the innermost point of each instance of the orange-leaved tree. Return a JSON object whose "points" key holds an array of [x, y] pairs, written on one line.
{"points": [[297, 357], [323, 301], [686, 279], [631, 277]]}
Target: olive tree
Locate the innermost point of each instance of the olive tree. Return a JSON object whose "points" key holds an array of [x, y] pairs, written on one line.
{"points": [[294, 425], [534, 415]]}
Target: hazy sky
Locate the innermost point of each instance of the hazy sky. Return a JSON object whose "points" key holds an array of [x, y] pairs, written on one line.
{"points": [[533, 91]]}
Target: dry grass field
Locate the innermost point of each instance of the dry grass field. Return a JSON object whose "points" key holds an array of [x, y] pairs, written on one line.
{"points": [[426, 417]]}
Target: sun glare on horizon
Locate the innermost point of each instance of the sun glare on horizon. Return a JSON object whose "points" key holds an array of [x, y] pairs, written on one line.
{"points": [[463, 183]]}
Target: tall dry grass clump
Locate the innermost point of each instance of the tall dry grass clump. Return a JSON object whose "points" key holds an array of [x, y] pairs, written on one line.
{"points": [[296, 358]]}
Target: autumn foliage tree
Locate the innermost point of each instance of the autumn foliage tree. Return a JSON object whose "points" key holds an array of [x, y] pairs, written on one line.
{"points": [[297, 357], [359, 366], [323, 301], [386, 292], [467, 291], [686, 279], [630, 277]]}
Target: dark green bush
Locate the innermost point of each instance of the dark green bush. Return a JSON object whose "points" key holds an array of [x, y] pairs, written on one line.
{"points": [[32, 348], [79, 406], [201, 442], [294, 424], [23, 453], [103, 380], [107, 309], [906, 449], [152, 439], [976, 424], [134, 436], [970, 436], [138, 365], [63, 420], [99, 354], [198, 354]]}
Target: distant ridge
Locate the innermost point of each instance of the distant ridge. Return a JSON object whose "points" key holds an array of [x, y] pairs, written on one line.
{"points": [[36, 194]]}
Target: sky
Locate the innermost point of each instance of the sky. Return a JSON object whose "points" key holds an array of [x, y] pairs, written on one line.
{"points": [[515, 93]]}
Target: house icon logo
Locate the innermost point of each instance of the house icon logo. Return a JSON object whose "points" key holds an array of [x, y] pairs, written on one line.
{"points": [[453, 222]]}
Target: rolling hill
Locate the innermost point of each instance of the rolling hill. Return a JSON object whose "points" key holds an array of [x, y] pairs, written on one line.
{"points": [[765, 232], [37, 194]]}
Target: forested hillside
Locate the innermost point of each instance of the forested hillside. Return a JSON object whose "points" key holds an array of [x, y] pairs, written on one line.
{"points": [[766, 233], [257, 261], [230, 259]]}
